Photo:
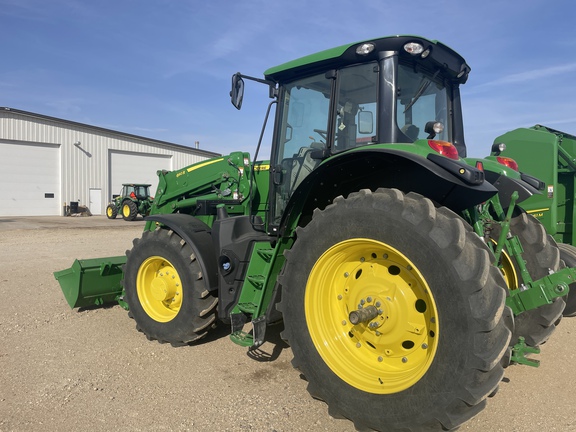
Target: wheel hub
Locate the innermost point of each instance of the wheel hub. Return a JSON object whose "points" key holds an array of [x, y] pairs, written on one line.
{"points": [[162, 290], [373, 316]]}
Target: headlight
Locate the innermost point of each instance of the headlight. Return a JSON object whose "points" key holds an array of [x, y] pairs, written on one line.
{"points": [[365, 48]]}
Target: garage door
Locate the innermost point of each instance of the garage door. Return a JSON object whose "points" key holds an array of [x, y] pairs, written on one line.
{"points": [[29, 179], [136, 168]]}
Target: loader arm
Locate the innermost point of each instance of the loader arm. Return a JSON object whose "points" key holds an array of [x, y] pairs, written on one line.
{"points": [[200, 187]]}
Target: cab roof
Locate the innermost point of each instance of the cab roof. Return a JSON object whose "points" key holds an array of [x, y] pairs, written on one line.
{"points": [[441, 56]]}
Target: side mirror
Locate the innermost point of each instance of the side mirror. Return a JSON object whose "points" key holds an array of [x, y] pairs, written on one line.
{"points": [[237, 92], [365, 122]]}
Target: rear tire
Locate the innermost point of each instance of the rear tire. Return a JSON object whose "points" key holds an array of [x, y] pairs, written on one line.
{"points": [[166, 291], [129, 210], [111, 211], [568, 255], [431, 357]]}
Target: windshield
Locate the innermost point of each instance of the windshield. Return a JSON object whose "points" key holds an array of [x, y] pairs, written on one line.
{"points": [[422, 98]]}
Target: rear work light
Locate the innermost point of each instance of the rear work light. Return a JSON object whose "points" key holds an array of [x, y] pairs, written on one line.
{"points": [[509, 162], [444, 148]]}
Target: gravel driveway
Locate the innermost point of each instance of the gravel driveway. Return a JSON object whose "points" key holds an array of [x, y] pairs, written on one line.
{"points": [[63, 369]]}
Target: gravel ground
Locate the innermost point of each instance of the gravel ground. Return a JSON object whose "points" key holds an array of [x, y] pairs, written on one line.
{"points": [[63, 369]]}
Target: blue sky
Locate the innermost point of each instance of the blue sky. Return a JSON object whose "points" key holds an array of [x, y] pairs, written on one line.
{"points": [[162, 68]]}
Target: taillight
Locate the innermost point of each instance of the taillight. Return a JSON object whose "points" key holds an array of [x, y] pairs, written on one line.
{"points": [[444, 148], [509, 162]]}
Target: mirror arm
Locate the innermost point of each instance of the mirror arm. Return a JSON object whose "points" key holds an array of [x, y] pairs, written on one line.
{"points": [[271, 84]]}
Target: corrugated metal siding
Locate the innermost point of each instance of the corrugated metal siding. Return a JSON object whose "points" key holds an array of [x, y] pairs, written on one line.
{"points": [[85, 166]]}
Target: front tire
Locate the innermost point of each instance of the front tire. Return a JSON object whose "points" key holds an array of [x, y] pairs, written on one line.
{"points": [[165, 289], [430, 356], [111, 211]]}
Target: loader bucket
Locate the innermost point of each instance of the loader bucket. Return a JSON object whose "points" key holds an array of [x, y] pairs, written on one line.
{"points": [[92, 281]]}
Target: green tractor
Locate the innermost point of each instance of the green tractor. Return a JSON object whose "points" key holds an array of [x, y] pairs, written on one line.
{"points": [[407, 277], [134, 199]]}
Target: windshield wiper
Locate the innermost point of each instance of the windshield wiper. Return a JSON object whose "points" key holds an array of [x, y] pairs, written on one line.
{"points": [[419, 93], [423, 87]]}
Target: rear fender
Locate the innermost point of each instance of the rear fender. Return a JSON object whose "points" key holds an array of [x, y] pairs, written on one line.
{"points": [[508, 181], [447, 182], [198, 235]]}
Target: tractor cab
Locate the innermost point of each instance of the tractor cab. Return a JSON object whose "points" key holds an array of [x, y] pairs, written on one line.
{"points": [[136, 191], [382, 93]]}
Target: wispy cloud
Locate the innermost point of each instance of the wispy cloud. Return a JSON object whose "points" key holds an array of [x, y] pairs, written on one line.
{"points": [[31, 10], [532, 75]]}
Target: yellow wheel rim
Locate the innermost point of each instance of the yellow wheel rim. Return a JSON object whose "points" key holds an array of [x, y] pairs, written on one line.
{"points": [[159, 289], [389, 352], [508, 270], [109, 212], [126, 210]]}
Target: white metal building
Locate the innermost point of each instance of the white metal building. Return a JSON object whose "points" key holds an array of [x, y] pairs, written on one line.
{"points": [[46, 163]]}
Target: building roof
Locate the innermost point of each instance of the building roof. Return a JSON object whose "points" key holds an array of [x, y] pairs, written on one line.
{"points": [[101, 129]]}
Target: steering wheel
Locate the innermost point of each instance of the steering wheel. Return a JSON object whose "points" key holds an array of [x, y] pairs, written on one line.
{"points": [[322, 133]]}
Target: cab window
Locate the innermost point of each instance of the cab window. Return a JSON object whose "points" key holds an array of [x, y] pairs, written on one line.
{"points": [[356, 106], [422, 98]]}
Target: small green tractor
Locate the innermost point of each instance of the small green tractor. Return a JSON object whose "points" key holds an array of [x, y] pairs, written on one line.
{"points": [[407, 277], [134, 199]]}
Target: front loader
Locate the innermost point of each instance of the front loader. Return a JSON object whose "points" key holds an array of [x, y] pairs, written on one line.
{"points": [[400, 269]]}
